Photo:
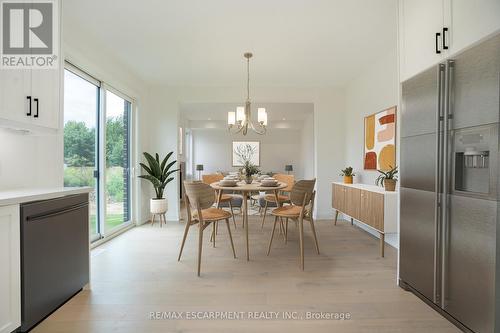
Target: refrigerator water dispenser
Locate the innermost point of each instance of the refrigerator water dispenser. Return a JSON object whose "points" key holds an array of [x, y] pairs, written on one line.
{"points": [[472, 164]]}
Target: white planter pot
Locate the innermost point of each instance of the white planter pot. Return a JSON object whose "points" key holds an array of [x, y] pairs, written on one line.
{"points": [[158, 206]]}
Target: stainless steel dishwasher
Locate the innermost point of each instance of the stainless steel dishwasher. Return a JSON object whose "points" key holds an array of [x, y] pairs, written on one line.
{"points": [[54, 255]]}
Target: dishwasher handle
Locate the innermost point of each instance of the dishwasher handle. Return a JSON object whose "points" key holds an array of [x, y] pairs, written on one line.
{"points": [[33, 218]]}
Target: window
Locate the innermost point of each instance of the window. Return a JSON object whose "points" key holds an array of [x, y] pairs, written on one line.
{"points": [[97, 149]]}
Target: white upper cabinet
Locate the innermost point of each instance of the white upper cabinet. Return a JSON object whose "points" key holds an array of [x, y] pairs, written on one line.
{"points": [[419, 22], [14, 102], [45, 87], [30, 99], [433, 30], [470, 21]]}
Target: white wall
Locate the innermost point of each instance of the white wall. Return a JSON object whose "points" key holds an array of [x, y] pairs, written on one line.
{"points": [[30, 161], [375, 90], [278, 147], [307, 148]]}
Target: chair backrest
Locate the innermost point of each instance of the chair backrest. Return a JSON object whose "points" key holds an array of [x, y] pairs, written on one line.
{"points": [[212, 178], [301, 188], [287, 179], [199, 193], [310, 207]]}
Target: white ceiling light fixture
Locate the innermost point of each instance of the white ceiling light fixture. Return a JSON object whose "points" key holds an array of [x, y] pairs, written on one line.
{"points": [[241, 120]]}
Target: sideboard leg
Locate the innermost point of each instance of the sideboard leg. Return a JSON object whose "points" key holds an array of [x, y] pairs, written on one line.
{"points": [[352, 221], [382, 244], [336, 216]]}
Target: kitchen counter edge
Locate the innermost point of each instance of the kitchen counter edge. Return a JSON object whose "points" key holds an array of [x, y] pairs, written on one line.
{"points": [[19, 196]]}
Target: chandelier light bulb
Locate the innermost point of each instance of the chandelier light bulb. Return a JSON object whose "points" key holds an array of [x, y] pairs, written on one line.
{"points": [[231, 118]]}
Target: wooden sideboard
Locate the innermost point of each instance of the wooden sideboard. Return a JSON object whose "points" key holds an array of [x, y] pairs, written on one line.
{"points": [[368, 204]]}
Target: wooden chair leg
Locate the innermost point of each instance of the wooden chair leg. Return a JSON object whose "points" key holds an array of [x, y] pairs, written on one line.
{"points": [[314, 234], [336, 216], [186, 229], [200, 245], [282, 226], [232, 212], [301, 241], [264, 217], [213, 234], [272, 235], [230, 237], [286, 230]]}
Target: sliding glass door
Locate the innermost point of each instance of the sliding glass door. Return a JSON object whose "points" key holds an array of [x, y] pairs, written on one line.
{"points": [[117, 160], [97, 149], [81, 128]]}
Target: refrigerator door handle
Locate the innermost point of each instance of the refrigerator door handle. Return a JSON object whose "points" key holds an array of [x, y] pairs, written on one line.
{"points": [[438, 180], [448, 115]]}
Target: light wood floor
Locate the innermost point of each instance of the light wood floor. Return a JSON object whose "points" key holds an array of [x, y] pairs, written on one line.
{"points": [[138, 273]]}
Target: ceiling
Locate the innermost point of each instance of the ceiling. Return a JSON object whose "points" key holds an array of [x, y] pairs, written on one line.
{"points": [[201, 43]]}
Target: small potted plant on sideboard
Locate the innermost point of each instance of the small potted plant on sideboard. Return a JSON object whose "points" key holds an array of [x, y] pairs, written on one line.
{"points": [[388, 179], [159, 174], [347, 173]]}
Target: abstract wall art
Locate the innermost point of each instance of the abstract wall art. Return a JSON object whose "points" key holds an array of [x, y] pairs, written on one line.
{"points": [[380, 140], [244, 151]]}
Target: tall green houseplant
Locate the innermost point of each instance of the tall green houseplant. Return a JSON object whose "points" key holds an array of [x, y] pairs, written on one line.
{"points": [[159, 174]]}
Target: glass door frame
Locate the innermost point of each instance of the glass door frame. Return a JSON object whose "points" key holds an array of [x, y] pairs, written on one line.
{"points": [[102, 158]]}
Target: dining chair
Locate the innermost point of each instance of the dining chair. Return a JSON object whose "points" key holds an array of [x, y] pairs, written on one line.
{"points": [[225, 198], [283, 196], [301, 208], [199, 201]]}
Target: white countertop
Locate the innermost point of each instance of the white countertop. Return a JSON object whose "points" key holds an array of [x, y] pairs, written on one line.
{"points": [[372, 188], [13, 197]]}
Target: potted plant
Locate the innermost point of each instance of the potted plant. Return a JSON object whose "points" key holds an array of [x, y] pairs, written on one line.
{"points": [[347, 173], [159, 174], [388, 179], [248, 171]]}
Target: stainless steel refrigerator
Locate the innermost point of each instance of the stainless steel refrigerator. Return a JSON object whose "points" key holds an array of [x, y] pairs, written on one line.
{"points": [[449, 187]]}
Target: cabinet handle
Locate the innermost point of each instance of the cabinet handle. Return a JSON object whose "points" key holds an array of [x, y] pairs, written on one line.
{"points": [[29, 109], [445, 30], [36, 101], [438, 51]]}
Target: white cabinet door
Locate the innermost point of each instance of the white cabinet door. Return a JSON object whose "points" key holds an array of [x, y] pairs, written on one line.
{"points": [[45, 87], [15, 86], [471, 21], [10, 273], [420, 20]]}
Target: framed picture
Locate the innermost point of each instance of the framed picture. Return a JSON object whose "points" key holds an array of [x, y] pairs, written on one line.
{"points": [[244, 151], [380, 140]]}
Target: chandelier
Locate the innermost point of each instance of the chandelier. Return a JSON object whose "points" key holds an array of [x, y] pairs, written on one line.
{"points": [[240, 120]]}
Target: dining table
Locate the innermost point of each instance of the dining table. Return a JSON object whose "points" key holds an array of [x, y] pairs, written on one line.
{"points": [[245, 189]]}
